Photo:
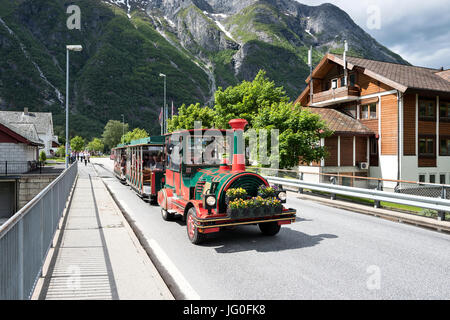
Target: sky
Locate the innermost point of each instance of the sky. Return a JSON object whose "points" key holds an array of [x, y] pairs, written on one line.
{"points": [[417, 30]]}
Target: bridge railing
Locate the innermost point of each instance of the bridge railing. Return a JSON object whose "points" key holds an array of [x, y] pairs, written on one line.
{"points": [[435, 197], [27, 236]]}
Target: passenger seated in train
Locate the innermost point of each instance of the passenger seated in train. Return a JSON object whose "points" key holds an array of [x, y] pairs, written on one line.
{"points": [[123, 164]]}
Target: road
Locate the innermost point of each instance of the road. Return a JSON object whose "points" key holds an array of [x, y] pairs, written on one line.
{"points": [[327, 254]]}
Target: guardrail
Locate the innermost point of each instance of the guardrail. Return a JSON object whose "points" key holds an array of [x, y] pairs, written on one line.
{"points": [[27, 236], [442, 205]]}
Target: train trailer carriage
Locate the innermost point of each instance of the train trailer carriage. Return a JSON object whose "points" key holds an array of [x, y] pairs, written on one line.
{"points": [[145, 166], [198, 191], [119, 155]]}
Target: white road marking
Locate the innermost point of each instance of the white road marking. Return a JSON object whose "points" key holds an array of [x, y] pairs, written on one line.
{"points": [[179, 279], [162, 257]]}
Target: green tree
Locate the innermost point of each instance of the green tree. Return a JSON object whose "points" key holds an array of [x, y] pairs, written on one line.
{"points": [[61, 151], [187, 115], [136, 134], [264, 106], [42, 156], [77, 144], [112, 134], [96, 145], [246, 99], [300, 132]]}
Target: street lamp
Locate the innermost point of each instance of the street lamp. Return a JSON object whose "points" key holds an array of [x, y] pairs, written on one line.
{"points": [[68, 48], [123, 127], [164, 126]]}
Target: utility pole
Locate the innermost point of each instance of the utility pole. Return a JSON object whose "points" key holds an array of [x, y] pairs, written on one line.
{"points": [[68, 48], [345, 62], [123, 127], [164, 107], [311, 82]]}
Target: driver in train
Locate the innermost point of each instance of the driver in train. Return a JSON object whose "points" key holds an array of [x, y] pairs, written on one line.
{"points": [[158, 163]]}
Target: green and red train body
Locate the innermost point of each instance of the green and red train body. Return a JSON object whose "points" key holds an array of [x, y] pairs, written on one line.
{"points": [[197, 192]]}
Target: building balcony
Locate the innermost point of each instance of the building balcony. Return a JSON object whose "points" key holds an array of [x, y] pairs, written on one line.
{"points": [[332, 96]]}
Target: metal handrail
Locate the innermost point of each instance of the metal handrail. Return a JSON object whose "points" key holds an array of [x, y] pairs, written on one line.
{"points": [[4, 228], [353, 177], [400, 198]]}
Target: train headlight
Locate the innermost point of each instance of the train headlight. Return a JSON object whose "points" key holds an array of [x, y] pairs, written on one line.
{"points": [[282, 196], [211, 201]]}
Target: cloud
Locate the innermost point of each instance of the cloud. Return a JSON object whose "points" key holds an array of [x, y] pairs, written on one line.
{"points": [[417, 30]]}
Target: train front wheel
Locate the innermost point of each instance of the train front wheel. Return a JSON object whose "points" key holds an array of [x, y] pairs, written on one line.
{"points": [[192, 231]]}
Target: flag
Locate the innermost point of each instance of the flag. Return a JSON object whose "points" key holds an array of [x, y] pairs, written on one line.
{"points": [[160, 116], [172, 109]]}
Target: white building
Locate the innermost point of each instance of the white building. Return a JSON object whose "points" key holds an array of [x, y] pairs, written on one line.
{"points": [[42, 121], [19, 149]]}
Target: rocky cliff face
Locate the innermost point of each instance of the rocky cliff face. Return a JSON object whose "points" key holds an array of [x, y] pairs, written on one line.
{"points": [[199, 44]]}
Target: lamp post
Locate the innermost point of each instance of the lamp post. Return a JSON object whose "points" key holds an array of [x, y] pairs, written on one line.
{"points": [[164, 107], [123, 127], [68, 48]]}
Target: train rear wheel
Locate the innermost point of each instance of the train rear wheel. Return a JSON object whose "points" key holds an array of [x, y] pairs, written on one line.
{"points": [[269, 228], [192, 231], [166, 215]]}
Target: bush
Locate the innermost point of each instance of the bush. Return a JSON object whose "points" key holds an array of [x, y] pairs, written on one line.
{"points": [[42, 156]]}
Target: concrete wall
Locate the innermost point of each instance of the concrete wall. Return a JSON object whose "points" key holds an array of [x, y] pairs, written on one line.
{"points": [[16, 152], [29, 186]]}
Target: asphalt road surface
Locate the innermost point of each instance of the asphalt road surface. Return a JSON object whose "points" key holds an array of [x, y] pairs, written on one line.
{"points": [[327, 254]]}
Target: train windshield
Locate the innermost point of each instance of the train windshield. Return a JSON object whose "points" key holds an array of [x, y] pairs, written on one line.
{"points": [[206, 147]]}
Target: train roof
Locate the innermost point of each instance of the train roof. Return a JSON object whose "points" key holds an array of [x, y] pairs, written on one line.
{"points": [[155, 140], [200, 130]]}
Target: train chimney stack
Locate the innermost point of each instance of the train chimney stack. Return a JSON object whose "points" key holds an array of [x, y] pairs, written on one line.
{"points": [[238, 126]]}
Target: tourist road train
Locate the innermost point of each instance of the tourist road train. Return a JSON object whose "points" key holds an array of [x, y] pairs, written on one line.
{"points": [[208, 191]]}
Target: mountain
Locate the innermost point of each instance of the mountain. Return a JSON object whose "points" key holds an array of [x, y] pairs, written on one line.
{"points": [[199, 44]]}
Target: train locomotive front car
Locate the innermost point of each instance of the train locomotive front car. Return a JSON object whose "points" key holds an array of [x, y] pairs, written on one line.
{"points": [[205, 194]]}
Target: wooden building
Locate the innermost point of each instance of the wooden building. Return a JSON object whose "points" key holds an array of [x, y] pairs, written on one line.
{"points": [[391, 121]]}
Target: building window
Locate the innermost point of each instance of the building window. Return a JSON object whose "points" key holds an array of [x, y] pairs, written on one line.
{"points": [[352, 80], [444, 112], [373, 146], [427, 109], [442, 179], [421, 178], [342, 81], [444, 149], [426, 146], [432, 178], [334, 83], [369, 111]]}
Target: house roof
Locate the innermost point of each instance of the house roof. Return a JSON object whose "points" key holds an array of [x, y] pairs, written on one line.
{"points": [[27, 131], [41, 120], [398, 76], [341, 123], [410, 77]]}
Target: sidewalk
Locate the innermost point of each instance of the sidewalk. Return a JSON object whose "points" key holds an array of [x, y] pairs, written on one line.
{"points": [[96, 254]]}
